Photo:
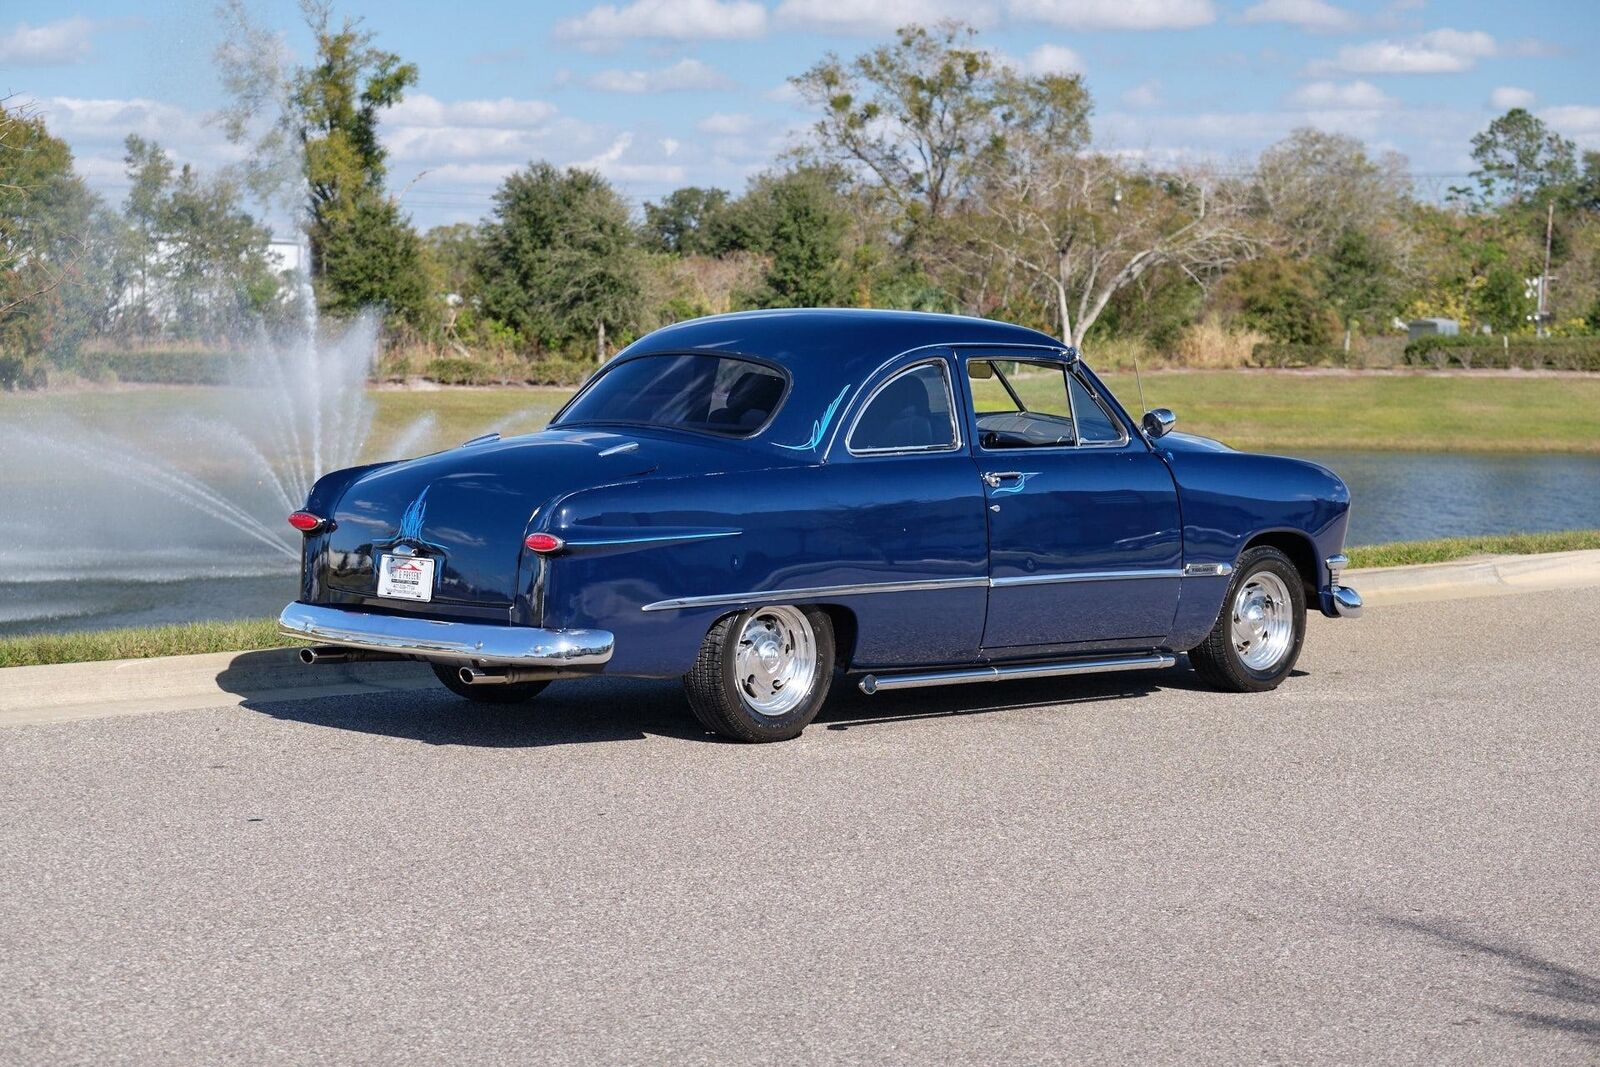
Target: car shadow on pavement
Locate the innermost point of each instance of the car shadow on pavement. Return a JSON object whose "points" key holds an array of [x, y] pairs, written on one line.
{"points": [[626, 709], [1552, 997], [567, 713]]}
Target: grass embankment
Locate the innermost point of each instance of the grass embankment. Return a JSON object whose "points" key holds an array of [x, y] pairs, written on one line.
{"points": [[185, 639], [1444, 549], [1282, 411], [252, 634], [1271, 411]]}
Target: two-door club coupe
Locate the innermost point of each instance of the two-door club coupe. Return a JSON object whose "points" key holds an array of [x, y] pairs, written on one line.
{"points": [[754, 501]]}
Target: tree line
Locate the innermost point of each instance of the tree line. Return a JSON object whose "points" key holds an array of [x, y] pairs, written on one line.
{"points": [[935, 177]]}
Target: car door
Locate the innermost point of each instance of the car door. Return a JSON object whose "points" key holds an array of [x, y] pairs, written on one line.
{"points": [[1085, 541]]}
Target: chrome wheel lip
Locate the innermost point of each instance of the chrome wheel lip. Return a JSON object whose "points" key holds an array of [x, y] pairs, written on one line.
{"points": [[775, 660], [1262, 629]]}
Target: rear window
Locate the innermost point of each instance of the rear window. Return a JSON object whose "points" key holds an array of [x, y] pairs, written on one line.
{"points": [[705, 393]]}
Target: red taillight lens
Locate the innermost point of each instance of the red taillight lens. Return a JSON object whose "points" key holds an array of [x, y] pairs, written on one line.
{"points": [[306, 522], [543, 542]]}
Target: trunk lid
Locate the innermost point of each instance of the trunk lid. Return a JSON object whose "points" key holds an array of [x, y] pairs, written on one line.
{"points": [[469, 508]]}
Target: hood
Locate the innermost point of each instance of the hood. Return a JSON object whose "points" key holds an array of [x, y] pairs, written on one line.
{"points": [[1178, 441], [469, 509]]}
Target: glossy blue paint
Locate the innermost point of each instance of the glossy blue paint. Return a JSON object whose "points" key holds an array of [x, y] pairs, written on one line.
{"points": [[905, 548]]}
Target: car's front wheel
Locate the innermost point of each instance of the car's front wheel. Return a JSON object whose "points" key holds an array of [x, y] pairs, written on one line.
{"points": [[1258, 634], [515, 693], [763, 673]]}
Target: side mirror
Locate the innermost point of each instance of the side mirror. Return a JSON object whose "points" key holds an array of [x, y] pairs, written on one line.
{"points": [[1158, 422]]}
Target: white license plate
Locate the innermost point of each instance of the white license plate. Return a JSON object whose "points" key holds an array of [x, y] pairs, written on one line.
{"points": [[405, 577]]}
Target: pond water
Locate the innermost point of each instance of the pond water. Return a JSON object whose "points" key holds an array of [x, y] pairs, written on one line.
{"points": [[1397, 497]]}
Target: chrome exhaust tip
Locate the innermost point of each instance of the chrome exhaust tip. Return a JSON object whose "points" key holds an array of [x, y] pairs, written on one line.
{"points": [[324, 654], [474, 676]]}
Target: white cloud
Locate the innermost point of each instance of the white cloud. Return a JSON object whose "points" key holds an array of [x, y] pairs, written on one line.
{"points": [[670, 146], [723, 124], [684, 75], [1315, 15], [1051, 59], [1117, 14], [1581, 122], [1509, 96], [673, 20], [610, 164], [1327, 94], [1144, 95], [421, 109], [59, 42], [1435, 52], [877, 16]]}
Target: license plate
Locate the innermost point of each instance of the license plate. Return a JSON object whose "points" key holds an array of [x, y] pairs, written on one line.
{"points": [[405, 577]]}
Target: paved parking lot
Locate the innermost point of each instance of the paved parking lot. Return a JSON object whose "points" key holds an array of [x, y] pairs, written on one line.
{"points": [[1394, 857]]}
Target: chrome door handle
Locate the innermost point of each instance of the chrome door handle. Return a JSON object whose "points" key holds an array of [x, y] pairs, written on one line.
{"points": [[993, 478]]}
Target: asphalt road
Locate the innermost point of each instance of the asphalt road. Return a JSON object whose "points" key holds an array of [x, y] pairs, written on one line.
{"points": [[1395, 857]]}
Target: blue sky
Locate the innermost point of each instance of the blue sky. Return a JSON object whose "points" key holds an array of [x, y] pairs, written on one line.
{"points": [[661, 93]]}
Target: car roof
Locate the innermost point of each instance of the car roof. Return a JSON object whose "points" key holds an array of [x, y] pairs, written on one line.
{"points": [[847, 342], [830, 353]]}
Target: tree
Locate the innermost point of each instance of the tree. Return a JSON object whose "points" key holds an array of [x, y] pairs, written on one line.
{"points": [[1312, 187], [918, 118], [804, 224], [686, 222], [560, 259], [1519, 157], [1082, 227], [46, 213], [364, 251]]}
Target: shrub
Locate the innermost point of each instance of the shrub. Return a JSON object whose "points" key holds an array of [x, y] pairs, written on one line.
{"points": [[1208, 343], [1273, 354], [157, 365], [19, 372], [1530, 353]]}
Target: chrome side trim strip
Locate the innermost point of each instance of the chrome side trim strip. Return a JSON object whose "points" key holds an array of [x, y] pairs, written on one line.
{"points": [[782, 596], [1081, 576], [962, 675], [651, 539], [1206, 570], [439, 639]]}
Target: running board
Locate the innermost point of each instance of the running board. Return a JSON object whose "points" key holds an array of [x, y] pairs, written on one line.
{"points": [[961, 675]]}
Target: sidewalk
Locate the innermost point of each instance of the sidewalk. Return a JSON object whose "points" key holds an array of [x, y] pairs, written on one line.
{"points": [[65, 692]]}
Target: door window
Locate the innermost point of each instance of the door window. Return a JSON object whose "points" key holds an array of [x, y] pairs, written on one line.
{"points": [[1021, 403], [1094, 423]]}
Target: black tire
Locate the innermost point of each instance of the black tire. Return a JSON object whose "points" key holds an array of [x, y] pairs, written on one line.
{"points": [[1219, 662], [719, 700], [516, 693]]}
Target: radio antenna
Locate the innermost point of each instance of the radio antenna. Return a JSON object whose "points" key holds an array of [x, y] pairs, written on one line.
{"points": [[1139, 381]]}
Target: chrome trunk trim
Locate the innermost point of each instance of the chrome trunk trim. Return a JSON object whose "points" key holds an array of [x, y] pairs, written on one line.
{"points": [[872, 683]]}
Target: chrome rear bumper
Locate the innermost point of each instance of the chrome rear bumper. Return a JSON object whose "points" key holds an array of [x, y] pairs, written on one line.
{"points": [[456, 642], [1340, 601]]}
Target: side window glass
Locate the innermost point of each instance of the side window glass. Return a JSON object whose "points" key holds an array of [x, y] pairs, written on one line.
{"points": [[910, 412], [1020, 403], [1095, 425], [988, 393]]}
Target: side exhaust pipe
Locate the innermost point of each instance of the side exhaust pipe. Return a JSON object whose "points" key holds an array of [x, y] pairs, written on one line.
{"points": [[319, 654]]}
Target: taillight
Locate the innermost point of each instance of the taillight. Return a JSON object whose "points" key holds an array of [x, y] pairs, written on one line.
{"points": [[544, 543], [306, 522]]}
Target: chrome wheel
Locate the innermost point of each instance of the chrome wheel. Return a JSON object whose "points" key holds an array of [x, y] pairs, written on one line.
{"points": [[1263, 621], [776, 660]]}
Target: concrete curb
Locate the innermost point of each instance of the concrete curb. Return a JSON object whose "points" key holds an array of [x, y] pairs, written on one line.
{"points": [[73, 691], [1475, 576], [70, 691]]}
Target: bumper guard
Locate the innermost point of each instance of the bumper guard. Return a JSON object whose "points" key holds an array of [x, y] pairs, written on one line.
{"points": [[1340, 601]]}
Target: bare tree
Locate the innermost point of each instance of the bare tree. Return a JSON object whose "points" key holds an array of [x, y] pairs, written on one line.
{"points": [[1083, 227]]}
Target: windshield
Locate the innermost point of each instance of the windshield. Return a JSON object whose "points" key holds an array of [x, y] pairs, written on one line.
{"points": [[707, 393]]}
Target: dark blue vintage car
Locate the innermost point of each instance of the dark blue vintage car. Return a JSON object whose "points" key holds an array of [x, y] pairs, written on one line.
{"points": [[754, 502]]}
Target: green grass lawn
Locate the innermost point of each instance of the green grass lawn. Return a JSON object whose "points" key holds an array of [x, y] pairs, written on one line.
{"points": [[1275, 411], [1402, 553]]}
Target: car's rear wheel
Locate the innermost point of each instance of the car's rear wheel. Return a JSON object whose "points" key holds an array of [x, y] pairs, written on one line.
{"points": [[515, 693], [763, 673], [1258, 634]]}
